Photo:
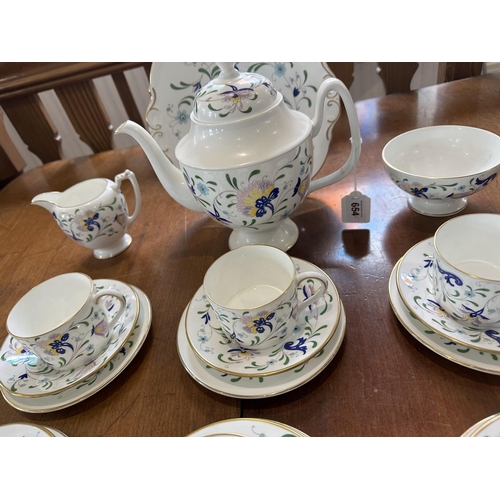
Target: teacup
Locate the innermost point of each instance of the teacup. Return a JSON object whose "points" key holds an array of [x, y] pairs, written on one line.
{"points": [[62, 321], [253, 293], [467, 269], [94, 213]]}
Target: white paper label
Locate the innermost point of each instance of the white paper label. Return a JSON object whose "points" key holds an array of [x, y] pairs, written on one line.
{"points": [[356, 207]]}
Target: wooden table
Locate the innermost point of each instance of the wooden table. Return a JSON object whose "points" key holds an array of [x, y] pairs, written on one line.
{"points": [[382, 382]]}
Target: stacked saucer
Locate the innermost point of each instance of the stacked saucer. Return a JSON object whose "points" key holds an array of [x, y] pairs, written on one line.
{"points": [[222, 366], [247, 427], [41, 391], [415, 303], [488, 427], [28, 430]]}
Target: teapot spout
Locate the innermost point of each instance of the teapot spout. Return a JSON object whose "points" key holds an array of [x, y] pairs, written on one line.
{"points": [[46, 200], [168, 174]]}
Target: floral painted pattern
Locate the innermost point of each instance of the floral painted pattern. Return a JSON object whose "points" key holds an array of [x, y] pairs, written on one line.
{"points": [[417, 281], [313, 330], [254, 198], [90, 225], [473, 301], [17, 363], [440, 190], [235, 99]]}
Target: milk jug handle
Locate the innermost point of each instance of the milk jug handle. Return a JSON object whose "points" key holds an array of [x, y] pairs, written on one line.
{"points": [[335, 85], [128, 174]]}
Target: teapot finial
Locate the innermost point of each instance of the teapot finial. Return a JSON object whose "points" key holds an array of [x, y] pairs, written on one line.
{"points": [[227, 70]]}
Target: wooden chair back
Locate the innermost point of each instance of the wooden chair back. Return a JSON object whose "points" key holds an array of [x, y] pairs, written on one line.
{"points": [[397, 76], [73, 83]]}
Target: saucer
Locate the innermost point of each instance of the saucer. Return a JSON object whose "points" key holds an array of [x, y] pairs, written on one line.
{"points": [[25, 430], [247, 427], [416, 290], [18, 380], [95, 383], [470, 358], [473, 428], [257, 387], [315, 326], [488, 427]]}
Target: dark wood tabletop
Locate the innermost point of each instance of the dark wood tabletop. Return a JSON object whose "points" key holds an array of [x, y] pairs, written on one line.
{"points": [[382, 382]]}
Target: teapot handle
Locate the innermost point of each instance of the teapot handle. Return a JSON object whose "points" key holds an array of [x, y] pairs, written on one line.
{"points": [[334, 84], [128, 174]]}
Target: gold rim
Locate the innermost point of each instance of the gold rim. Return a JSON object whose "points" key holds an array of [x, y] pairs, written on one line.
{"points": [[474, 427], [62, 323], [488, 421], [285, 369], [421, 340], [256, 420], [96, 368], [391, 166], [146, 327], [408, 306], [451, 265], [39, 427], [275, 393]]}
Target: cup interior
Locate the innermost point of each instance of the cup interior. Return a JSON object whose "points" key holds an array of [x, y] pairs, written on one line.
{"points": [[249, 277], [446, 151], [471, 244], [49, 305]]}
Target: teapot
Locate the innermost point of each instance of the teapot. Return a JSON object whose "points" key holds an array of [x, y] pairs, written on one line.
{"points": [[94, 213], [247, 159]]}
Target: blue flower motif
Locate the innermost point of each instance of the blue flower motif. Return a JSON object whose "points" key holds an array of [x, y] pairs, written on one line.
{"points": [[469, 293], [486, 181], [419, 192], [59, 344], [462, 188], [202, 188], [296, 92], [449, 277], [206, 317], [299, 346], [261, 322], [279, 69], [265, 202], [493, 335], [197, 86], [182, 117], [216, 215], [190, 185], [474, 314]]}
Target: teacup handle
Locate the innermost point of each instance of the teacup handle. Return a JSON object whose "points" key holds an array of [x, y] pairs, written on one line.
{"points": [[313, 298], [334, 84], [120, 297], [128, 174]]}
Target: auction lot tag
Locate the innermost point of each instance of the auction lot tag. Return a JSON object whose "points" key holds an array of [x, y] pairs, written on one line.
{"points": [[356, 207]]}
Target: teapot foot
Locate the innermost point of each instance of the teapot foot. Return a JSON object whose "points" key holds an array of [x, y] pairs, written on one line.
{"points": [[283, 236], [119, 247]]}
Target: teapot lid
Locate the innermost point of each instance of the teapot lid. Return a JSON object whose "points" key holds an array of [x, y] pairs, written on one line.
{"points": [[233, 96], [239, 119]]}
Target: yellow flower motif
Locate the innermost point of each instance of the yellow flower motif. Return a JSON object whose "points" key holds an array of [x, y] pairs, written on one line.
{"points": [[236, 99], [251, 201]]}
